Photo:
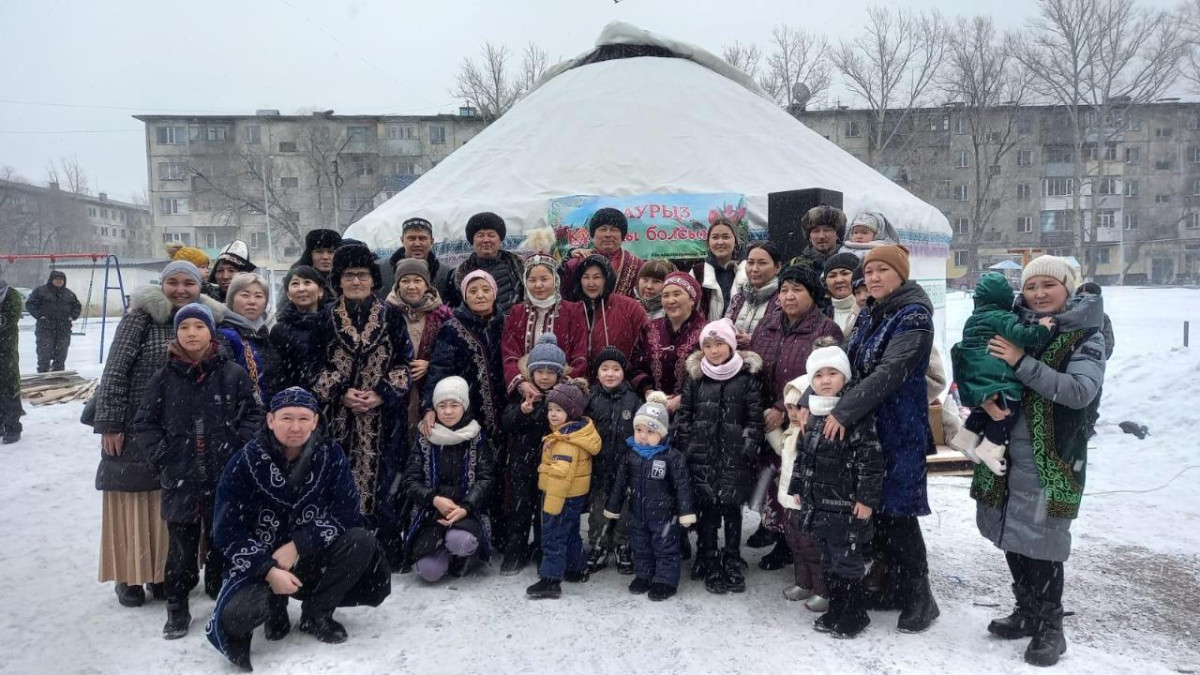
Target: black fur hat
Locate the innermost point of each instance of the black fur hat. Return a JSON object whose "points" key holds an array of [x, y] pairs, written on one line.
{"points": [[608, 216], [485, 221], [347, 257]]}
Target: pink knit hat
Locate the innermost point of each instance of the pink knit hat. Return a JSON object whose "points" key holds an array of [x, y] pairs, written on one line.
{"points": [[478, 274], [721, 329]]}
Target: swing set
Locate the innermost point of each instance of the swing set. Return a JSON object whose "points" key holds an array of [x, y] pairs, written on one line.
{"points": [[112, 266]]}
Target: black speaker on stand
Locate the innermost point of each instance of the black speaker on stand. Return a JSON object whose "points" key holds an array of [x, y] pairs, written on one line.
{"points": [[784, 211]]}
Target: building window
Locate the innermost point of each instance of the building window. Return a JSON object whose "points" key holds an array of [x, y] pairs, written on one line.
{"points": [[1024, 158], [289, 182], [358, 132], [1024, 191], [960, 258], [1024, 125], [1162, 199], [1057, 221], [943, 189], [1100, 255], [1106, 218], [437, 135], [960, 193], [1163, 164], [207, 132], [92, 211], [170, 135], [939, 123], [104, 213], [363, 167], [1196, 155], [1108, 185], [963, 159], [1193, 221], [258, 240], [852, 129], [962, 125], [1025, 224], [1133, 155], [994, 170], [1110, 152], [962, 225], [1162, 132], [177, 237], [1131, 221], [1133, 123], [399, 132], [1196, 187], [252, 135], [287, 146], [1058, 187], [1058, 154], [1131, 188], [169, 206], [170, 171], [210, 240], [104, 232]]}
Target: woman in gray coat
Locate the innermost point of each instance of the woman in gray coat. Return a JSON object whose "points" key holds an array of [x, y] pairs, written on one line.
{"points": [[1027, 512]]}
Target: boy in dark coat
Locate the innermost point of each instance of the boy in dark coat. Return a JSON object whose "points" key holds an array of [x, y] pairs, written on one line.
{"points": [[526, 423], [287, 519], [982, 377], [198, 410], [55, 307], [611, 406], [660, 495], [838, 482], [719, 428]]}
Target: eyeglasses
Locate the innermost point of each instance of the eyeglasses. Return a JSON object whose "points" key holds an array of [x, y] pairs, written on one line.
{"points": [[356, 276]]}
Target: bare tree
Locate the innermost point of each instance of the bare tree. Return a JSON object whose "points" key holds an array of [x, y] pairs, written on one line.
{"points": [[1189, 19], [36, 221], [797, 57], [69, 175], [746, 57], [1099, 60], [533, 64], [989, 86], [487, 84], [236, 191], [891, 67]]}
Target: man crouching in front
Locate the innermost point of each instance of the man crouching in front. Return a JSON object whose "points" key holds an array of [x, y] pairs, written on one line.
{"points": [[286, 516]]}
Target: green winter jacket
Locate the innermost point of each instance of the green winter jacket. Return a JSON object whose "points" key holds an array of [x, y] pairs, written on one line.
{"points": [[979, 375], [10, 314]]}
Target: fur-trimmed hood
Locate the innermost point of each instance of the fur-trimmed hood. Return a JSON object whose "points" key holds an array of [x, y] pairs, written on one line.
{"points": [[751, 362], [150, 299]]}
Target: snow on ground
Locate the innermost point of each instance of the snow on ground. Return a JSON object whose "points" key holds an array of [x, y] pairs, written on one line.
{"points": [[1133, 581]]}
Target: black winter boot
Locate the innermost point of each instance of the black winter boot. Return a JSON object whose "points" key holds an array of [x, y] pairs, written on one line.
{"points": [[732, 575], [157, 591], [881, 588], [762, 538], [827, 622], [212, 581], [580, 577], [624, 560], [778, 558], [278, 624], [513, 564], [11, 437], [1021, 623], [544, 588], [920, 609], [705, 560], [711, 570], [130, 596], [178, 618], [323, 627], [639, 586], [660, 591], [598, 558], [851, 618], [1049, 642]]}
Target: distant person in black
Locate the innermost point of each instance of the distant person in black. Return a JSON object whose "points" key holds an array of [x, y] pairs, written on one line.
{"points": [[55, 307]]}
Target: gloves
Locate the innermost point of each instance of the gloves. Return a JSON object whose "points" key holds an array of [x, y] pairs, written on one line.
{"points": [[611, 516], [687, 520]]}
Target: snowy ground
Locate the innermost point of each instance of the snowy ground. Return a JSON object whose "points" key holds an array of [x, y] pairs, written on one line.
{"points": [[1133, 581]]}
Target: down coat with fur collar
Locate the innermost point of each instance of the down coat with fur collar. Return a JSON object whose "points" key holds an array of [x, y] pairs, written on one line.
{"points": [[719, 428]]}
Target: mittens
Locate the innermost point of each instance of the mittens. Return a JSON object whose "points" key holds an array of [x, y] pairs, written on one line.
{"points": [[687, 520]]}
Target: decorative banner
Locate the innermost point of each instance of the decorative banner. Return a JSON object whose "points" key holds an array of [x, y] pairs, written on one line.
{"points": [[660, 225]]}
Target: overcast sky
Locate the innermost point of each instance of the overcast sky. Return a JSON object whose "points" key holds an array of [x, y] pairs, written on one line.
{"points": [[75, 71]]}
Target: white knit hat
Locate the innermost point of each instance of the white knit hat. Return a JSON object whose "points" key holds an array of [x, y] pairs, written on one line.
{"points": [[452, 388], [1054, 267], [794, 390], [829, 357]]}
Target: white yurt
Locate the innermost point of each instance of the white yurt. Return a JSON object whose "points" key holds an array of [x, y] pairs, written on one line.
{"points": [[642, 113]]}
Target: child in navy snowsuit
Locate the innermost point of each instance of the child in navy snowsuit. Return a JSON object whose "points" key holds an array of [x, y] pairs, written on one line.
{"points": [[660, 495]]}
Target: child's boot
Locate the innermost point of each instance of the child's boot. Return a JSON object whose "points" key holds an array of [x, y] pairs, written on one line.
{"points": [[734, 578], [178, 618], [544, 588], [852, 619], [639, 586], [965, 441], [993, 455], [624, 560], [660, 591]]}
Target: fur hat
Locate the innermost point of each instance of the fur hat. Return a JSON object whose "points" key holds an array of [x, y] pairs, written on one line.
{"points": [[243, 279], [177, 251], [610, 353], [721, 329], [875, 222], [349, 256], [485, 221], [571, 397], [685, 281], [824, 216], [294, 397], [653, 414], [1054, 267], [453, 388], [196, 310], [406, 266], [807, 277], [894, 256], [478, 274], [842, 261], [236, 253], [316, 239], [416, 224], [181, 267], [608, 216], [828, 357], [547, 355]]}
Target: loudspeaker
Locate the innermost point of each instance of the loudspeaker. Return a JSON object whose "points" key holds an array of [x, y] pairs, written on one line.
{"points": [[784, 211]]}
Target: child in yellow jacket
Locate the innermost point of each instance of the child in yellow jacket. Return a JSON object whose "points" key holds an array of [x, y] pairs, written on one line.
{"points": [[564, 477]]}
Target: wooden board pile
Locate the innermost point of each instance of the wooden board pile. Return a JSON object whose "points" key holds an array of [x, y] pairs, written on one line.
{"points": [[56, 387]]}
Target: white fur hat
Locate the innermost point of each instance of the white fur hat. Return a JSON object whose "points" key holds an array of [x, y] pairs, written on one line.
{"points": [[452, 388], [1054, 267], [829, 357]]}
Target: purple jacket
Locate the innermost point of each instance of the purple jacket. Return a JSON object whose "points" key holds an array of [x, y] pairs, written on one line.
{"points": [[785, 350]]}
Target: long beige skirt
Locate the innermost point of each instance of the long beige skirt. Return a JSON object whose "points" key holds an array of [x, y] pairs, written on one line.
{"points": [[133, 538]]}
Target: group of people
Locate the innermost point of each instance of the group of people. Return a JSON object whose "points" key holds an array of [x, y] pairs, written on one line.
{"points": [[404, 415]]}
